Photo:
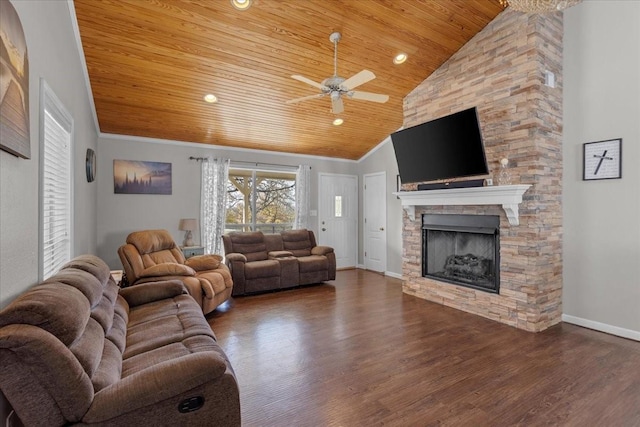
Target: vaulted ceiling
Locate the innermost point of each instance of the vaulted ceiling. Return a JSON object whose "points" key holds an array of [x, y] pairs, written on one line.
{"points": [[150, 62]]}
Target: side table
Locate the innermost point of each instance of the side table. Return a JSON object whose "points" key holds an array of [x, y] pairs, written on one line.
{"points": [[190, 251]]}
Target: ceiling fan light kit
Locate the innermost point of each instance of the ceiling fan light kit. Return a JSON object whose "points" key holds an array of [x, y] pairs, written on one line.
{"points": [[336, 86], [539, 6]]}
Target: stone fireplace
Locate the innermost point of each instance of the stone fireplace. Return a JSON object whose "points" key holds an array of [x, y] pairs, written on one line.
{"points": [[501, 72]]}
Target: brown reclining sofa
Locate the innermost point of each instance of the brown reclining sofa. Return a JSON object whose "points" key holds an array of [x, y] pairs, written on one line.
{"points": [[75, 350], [264, 262]]}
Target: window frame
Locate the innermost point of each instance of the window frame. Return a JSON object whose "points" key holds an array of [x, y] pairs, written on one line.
{"points": [[51, 104]]}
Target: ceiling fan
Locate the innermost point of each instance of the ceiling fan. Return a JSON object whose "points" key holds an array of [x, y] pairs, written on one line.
{"points": [[335, 86]]}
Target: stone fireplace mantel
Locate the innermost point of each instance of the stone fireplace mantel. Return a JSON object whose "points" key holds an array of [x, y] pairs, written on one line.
{"points": [[509, 196]]}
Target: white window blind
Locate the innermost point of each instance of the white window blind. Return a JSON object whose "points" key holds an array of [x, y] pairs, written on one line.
{"points": [[56, 198]]}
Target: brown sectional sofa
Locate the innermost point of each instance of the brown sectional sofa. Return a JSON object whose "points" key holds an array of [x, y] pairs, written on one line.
{"points": [[263, 262], [77, 350]]}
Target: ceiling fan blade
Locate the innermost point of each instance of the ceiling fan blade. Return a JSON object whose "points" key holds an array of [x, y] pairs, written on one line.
{"points": [[358, 79], [368, 96], [337, 106], [304, 98], [307, 81]]}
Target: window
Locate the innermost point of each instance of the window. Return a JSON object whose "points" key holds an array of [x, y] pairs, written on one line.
{"points": [[260, 200], [56, 130]]}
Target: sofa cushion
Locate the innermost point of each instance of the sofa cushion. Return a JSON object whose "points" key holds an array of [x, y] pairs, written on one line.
{"points": [[204, 262], [61, 310], [217, 279], [313, 263], [149, 241], [168, 269], [297, 242], [251, 244], [155, 324], [273, 242], [258, 269]]}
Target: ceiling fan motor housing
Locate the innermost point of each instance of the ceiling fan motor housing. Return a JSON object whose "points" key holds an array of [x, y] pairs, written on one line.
{"points": [[332, 84]]}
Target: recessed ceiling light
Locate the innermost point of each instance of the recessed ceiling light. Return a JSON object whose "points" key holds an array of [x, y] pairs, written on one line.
{"points": [[241, 4], [400, 58], [338, 122], [211, 98]]}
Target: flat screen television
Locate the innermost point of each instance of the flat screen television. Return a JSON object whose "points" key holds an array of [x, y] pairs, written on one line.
{"points": [[441, 149]]}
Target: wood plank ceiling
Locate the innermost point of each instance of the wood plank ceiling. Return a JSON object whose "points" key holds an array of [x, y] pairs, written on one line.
{"points": [[150, 62]]}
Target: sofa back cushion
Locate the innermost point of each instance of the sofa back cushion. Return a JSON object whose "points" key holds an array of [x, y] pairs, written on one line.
{"points": [[156, 247], [298, 242], [251, 244], [273, 242], [62, 341]]}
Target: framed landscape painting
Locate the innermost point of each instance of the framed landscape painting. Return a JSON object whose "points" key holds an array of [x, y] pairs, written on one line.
{"points": [[140, 177], [14, 84]]}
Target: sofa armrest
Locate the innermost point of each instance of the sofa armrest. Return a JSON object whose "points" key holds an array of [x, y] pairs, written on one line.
{"points": [[234, 257], [204, 262], [167, 269], [279, 254], [155, 384], [152, 291], [321, 250]]}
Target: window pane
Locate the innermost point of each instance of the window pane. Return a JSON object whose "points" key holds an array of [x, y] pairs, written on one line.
{"points": [[266, 203], [275, 201], [337, 206], [239, 188]]}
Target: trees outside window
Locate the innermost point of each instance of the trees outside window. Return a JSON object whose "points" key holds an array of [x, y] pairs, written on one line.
{"points": [[260, 200]]}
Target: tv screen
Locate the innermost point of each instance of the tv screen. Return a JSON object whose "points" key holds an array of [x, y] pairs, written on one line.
{"points": [[445, 148]]}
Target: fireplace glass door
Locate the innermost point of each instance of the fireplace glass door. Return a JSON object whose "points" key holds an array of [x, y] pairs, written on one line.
{"points": [[463, 251]]}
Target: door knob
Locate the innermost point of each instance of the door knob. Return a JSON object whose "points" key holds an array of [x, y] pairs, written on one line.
{"points": [[381, 228], [324, 229]]}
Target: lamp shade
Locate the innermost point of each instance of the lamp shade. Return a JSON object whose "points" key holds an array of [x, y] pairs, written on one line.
{"points": [[188, 224]]}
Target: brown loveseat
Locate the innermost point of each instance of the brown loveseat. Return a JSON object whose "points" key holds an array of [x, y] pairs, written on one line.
{"points": [[264, 262], [153, 255], [75, 351]]}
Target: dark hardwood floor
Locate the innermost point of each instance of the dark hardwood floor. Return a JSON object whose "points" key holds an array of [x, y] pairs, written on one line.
{"points": [[359, 352]]}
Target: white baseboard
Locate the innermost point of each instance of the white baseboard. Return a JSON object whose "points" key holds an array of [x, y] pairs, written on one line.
{"points": [[602, 327], [392, 274], [386, 273]]}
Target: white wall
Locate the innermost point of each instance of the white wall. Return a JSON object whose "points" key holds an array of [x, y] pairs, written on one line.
{"points": [[601, 277], [120, 214], [53, 56], [383, 159]]}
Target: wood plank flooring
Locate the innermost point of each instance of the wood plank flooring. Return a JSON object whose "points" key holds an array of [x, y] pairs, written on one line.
{"points": [[358, 352]]}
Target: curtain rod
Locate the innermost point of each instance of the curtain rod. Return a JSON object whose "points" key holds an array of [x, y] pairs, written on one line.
{"points": [[256, 164]]}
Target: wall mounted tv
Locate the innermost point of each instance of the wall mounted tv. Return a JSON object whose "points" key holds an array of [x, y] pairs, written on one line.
{"points": [[445, 148]]}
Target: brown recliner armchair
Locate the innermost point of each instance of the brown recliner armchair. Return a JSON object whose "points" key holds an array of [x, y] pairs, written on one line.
{"points": [[153, 255]]}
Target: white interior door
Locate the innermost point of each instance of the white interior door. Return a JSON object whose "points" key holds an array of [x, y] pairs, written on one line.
{"points": [[375, 221], [338, 216]]}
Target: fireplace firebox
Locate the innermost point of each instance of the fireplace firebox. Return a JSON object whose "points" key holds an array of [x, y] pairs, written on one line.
{"points": [[462, 249]]}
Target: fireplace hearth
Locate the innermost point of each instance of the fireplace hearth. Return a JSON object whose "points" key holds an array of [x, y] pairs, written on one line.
{"points": [[462, 250]]}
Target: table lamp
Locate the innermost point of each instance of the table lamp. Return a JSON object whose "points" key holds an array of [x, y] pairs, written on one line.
{"points": [[188, 225]]}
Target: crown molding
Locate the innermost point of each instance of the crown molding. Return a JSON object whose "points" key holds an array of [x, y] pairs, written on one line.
{"points": [[120, 137]]}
